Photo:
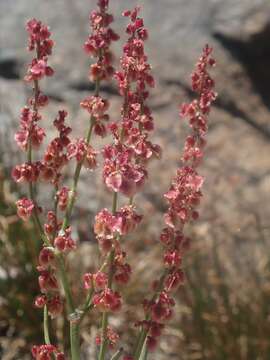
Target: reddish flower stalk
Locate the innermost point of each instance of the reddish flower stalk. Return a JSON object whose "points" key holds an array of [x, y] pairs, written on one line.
{"points": [[125, 160], [124, 173], [29, 136], [58, 153], [183, 197], [97, 46]]}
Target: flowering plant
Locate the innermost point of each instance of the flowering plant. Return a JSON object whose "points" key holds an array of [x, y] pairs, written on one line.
{"points": [[125, 161]]}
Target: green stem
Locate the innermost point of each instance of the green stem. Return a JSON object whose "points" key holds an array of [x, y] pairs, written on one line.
{"points": [[143, 333], [117, 355], [65, 283], [74, 325], [87, 305], [75, 343], [46, 326], [104, 324], [72, 196], [140, 343]]}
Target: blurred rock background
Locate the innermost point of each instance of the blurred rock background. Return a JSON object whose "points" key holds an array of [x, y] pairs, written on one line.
{"points": [[223, 311]]}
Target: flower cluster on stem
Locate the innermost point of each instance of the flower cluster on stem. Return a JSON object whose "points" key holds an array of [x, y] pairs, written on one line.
{"points": [[183, 198], [125, 164], [124, 173]]}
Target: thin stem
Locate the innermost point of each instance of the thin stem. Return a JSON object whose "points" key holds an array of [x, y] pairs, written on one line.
{"points": [[75, 180], [143, 333], [117, 355], [35, 214], [87, 305], [105, 315], [104, 324], [75, 344], [140, 343], [46, 326], [74, 325], [65, 283], [114, 205], [103, 346]]}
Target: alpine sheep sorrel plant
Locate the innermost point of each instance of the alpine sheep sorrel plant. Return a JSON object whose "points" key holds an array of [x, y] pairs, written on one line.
{"points": [[125, 161]]}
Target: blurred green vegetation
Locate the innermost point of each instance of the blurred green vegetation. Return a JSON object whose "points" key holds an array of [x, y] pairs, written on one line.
{"points": [[20, 324]]}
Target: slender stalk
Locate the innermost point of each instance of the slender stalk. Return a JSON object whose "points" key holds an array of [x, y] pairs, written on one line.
{"points": [[88, 303], [74, 325], [46, 326], [73, 191], [117, 355], [75, 343], [143, 333], [140, 343], [104, 324], [35, 214], [79, 167], [65, 283]]}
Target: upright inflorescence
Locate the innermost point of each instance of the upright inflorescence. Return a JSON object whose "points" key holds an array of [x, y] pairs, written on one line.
{"points": [[98, 46], [124, 174], [30, 137], [125, 160], [125, 163], [183, 197]]}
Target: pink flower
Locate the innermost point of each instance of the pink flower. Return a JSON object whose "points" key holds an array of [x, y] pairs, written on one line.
{"points": [[107, 300], [46, 257], [122, 273], [82, 152], [40, 301], [26, 172], [25, 208], [38, 69], [39, 38], [62, 195], [126, 220], [55, 306], [98, 43], [99, 280], [47, 281], [174, 280], [45, 352], [96, 106], [111, 336], [172, 258], [65, 242]]}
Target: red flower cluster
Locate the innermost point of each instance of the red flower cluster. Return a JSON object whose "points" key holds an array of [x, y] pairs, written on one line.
{"points": [[197, 110], [56, 157], [183, 197], [24, 208], [29, 130], [39, 40], [48, 283], [124, 172], [98, 46], [83, 153], [124, 161], [107, 300], [47, 352], [98, 280], [98, 43], [31, 135], [111, 336], [64, 242], [108, 226]]}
